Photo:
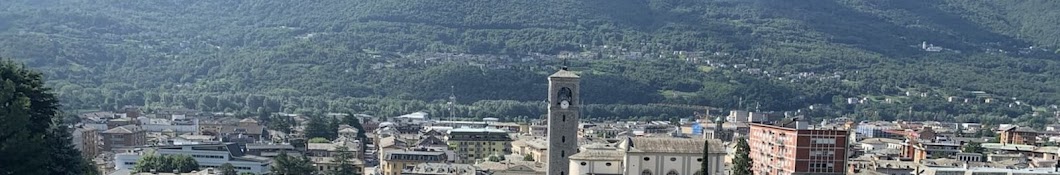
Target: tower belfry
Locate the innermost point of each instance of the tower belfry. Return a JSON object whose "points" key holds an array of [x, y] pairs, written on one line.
{"points": [[563, 113]]}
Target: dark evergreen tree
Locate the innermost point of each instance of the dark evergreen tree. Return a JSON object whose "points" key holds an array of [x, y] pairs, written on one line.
{"points": [[704, 166], [64, 158], [741, 163], [31, 140], [344, 158], [318, 127], [333, 127]]}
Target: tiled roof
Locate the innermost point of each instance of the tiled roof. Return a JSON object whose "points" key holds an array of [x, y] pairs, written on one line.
{"points": [[671, 145], [123, 129], [596, 154], [564, 74]]}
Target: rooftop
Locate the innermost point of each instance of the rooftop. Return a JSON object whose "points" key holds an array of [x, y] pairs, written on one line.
{"points": [[598, 154], [671, 145], [477, 130], [564, 74], [127, 129], [880, 141]]}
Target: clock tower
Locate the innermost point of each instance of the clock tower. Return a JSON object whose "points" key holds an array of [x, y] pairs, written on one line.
{"points": [[563, 114]]}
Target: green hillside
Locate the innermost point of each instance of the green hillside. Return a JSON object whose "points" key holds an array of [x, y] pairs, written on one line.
{"points": [[388, 56]]}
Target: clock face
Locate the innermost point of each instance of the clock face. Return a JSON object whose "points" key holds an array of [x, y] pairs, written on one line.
{"points": [[564, 104]]}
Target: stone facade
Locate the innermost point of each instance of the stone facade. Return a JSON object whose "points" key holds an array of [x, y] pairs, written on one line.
{"points": [[563, 114]]}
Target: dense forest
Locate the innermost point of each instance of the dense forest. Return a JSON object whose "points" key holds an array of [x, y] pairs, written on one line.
{"points": [[377, 56]]}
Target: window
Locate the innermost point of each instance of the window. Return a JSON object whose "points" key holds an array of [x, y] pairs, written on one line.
{"points": [[647, 159], [563, 139], [673, 159], [822, 153], [822, 166], [699, 160], [608, 164], [562, 153], [672, 172], [824, 141], [645, 172], [583, 163], [564, 118]]}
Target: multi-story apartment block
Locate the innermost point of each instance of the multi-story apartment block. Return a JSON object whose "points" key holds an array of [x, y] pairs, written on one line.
{"points": [[123, 137], [87, 140], [791, 148], [1018, 135], [397, 162], [471, 144]]}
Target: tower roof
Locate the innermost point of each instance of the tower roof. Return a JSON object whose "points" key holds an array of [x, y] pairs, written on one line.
{"points": [[564, 74]]}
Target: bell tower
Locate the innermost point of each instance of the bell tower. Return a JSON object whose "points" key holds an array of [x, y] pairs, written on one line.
{"points": [[563, 114]]}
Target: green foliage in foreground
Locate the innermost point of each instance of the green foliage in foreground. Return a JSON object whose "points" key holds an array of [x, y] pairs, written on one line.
{"points": [[32, 138]]}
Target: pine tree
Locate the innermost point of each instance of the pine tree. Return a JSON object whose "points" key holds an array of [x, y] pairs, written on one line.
{"points": [[343, 158], [355, 122], [318, 127], [741, 163], [333, 127]]}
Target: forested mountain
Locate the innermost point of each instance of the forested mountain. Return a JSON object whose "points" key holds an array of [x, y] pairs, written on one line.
{"points": [[382, 56]]}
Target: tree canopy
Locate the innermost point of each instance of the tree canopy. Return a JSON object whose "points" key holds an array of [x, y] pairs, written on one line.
{"points": [[32, 136]]}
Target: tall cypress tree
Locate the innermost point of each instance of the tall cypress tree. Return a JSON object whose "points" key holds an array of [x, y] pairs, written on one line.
{"points": [[741, 163], [30, 140], [704, 166]]}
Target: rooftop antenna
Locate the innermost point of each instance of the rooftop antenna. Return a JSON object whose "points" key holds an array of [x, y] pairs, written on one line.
{"points": [[452, 102]]}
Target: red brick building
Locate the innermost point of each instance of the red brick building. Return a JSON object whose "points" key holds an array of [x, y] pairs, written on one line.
{"points": [[1018, 135], [789, 148]]}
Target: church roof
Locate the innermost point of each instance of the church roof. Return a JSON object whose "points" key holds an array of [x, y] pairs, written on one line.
{"points": [[564, 74], [671, 145], [597, 154]]}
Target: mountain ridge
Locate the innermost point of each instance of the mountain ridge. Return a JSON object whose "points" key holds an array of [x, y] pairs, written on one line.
{"points": [[329, 50]]}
